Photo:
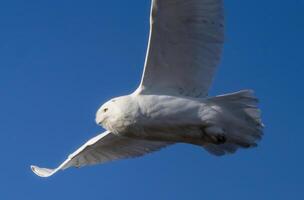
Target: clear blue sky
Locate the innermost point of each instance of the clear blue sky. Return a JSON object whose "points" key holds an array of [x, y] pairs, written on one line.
{"points": [[59, 60]]}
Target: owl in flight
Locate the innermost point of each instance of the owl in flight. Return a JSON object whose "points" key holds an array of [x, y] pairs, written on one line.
{"points": [[171, 104]]}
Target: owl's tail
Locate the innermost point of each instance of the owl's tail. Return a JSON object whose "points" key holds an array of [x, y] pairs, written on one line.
{"points": [[235, 122]]}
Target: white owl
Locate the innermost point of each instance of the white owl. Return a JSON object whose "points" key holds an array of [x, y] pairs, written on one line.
{"points": [[171, 105]]}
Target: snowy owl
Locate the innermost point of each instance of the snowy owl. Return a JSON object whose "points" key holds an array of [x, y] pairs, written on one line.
{"points": [[171, 105]]}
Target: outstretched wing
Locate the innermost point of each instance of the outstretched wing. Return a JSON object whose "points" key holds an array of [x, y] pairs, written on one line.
{"points": [[104, 148], [186, 39]]}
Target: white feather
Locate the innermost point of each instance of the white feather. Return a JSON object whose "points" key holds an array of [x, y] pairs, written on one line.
{"points": [[186, 39], [103, 148]]}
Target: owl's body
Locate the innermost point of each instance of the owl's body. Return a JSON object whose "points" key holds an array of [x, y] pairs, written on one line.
{"points": [[155, 117], [230, 120]]}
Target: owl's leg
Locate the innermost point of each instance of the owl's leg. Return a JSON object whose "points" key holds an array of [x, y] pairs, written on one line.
{"points": [[214, 134]]}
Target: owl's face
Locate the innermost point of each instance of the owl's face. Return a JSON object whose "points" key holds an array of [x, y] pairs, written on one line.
{"points": [[116, 114], [106, 112]]}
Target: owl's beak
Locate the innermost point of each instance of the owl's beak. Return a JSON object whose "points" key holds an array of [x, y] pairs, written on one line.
{"points": [[99, 120]]}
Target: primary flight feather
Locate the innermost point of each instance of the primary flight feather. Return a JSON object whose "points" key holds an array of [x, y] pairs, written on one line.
{"points": [[171, 104]]}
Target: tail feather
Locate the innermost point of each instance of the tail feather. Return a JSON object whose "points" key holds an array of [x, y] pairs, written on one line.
{"points": [[238, 115]]}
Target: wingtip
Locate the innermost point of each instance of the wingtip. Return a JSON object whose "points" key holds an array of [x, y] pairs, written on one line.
{"points": [[42, 172]]}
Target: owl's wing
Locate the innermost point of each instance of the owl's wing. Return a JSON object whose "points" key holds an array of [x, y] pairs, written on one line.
{"points": [[185, 44], [104, 148]]}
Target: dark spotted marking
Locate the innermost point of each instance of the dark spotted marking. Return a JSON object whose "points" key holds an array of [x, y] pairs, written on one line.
{"points": [[221, 139], [215, 139]]}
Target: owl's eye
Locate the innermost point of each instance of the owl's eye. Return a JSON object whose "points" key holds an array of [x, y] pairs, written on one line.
{"points": [[105, 109]]}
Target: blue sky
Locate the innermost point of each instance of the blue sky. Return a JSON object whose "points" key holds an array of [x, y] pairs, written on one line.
{"points": [[60, 60]]}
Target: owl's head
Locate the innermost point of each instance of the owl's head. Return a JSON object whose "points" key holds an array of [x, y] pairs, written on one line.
{"points": [[106, 112], [114, 111]]}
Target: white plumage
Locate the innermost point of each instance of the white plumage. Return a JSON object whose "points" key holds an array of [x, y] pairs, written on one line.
{"points": [[186, 39], [103, 148], [171, 105]]}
